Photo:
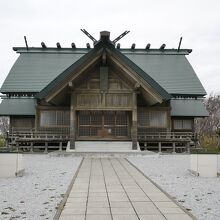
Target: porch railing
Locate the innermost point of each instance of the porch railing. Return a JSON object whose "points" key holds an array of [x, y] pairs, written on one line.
{"points": [[142, 136], [33, 136], [165, 136]]}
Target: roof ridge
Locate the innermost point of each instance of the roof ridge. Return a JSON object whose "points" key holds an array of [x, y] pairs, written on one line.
{"points": [[84, 50]]}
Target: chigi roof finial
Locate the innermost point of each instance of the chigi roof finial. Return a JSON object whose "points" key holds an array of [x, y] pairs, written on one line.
{"points": [[120, 36], [89, 36]]}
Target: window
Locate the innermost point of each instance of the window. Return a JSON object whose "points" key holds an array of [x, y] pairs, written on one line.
{"points": [[149, 118], [184, 124], [51, 118], [158, 119]]}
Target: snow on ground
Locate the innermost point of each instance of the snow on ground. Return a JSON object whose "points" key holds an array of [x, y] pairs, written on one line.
{"points": [[199, 195], [36, 195]]}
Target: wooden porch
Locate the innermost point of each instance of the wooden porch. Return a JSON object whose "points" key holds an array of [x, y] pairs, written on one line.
{"points": [[169, 141], [44, 140]]}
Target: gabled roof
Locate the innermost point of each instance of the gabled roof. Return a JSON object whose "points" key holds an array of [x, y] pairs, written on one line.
{"points": [[37, 67], [173, 72], [34, 71], [107, 46], [68, 72]]}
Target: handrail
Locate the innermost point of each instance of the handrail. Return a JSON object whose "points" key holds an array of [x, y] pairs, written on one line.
{"points": [[65, 135], [37, 135], [165, 135]]}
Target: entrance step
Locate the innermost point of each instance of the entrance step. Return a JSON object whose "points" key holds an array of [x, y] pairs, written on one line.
{"points": [[102, 146]]}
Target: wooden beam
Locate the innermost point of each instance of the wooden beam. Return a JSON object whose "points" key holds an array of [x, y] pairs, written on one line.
{"points": [[72, 121], [73, 77], [137, 78], [134, 122]]}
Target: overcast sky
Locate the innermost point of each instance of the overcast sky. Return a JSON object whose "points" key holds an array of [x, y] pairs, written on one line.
{"points": [[150, 21]]}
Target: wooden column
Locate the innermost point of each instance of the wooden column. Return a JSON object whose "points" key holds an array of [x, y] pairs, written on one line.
{"points": [[60, 146], [188, 146], [159, 147], [174, 147], [72, 121], [46, 147], [31, 147], [134, 123]]}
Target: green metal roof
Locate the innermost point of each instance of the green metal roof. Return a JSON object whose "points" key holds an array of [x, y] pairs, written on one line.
{"points": [[173, 72], [66, 73], [108, 46], [17, 106], [37, 67], [188, 107], [148, 78], [33, 71]]}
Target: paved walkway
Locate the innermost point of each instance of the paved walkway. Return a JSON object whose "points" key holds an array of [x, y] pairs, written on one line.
{"points": [[112, 189]]}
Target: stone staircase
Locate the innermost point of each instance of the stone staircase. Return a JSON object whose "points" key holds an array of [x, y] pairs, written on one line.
{"points": [[101, 146]]}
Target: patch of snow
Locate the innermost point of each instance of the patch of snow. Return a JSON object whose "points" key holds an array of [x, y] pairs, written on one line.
{"points": [[200, 196], [36, 195]]}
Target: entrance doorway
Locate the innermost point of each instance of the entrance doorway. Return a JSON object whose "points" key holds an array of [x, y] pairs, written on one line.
{"points": [[108, 125]]}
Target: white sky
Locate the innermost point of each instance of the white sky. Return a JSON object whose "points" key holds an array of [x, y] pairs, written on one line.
{"points": [[150, 21]]}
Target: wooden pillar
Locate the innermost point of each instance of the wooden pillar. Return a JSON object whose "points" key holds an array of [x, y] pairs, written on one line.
{"points": [[134, 123], [174, 147], [159, 147], [72, 121], [17, 146], [31, 147], [46, 147], [60, 146], [188, 146]]}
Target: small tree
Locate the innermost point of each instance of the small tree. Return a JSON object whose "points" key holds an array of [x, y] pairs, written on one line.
{"points": [[218, 134], [207, 127], [4, 125]]}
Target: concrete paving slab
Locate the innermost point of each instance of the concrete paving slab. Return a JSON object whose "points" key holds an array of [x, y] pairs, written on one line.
{"points": [[140, 194], [96, 204], [111, 188], [166, 205], [118, 198], [77, 199], [76, 204], [98, 211], [71, 217], [114, 204], [139, 198], [169, 210], [98, 199], [98, 194], [125, 217], [151, 190], [145, 208], [78, 195], [74, 211], [80, 190], [177, 217], [115, 190], [97, 217], [97, 190], [152, 217], [158, 197], [122, 211]]}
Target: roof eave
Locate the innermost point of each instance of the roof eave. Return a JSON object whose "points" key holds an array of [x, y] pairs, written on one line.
{"points": [[66, 73], [164, 94]]}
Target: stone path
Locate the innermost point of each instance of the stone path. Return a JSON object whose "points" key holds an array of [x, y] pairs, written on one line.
{"points": [[112, 189]]}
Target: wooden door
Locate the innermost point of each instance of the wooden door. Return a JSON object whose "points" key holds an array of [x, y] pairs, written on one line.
{"points": [[103, 125]]}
